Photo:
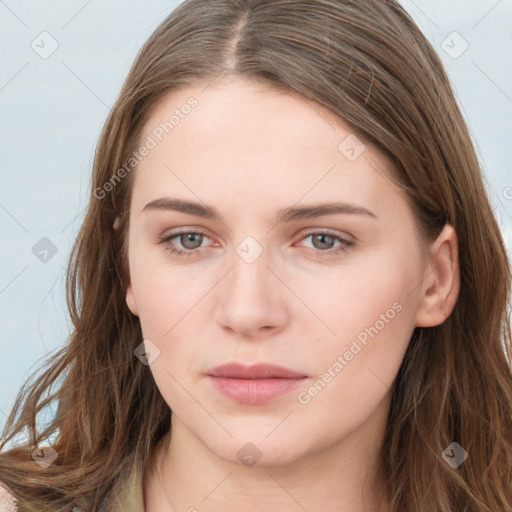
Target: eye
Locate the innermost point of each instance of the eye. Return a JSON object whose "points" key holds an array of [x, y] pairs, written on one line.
{"points": [[189, 240], [323, 242]]}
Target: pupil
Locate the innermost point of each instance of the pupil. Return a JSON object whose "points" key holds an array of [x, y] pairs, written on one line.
{"points": [[322, 238], [189, 239]]}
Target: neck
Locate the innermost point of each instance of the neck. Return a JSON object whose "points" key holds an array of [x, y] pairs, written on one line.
{"points": [[187, 476]]}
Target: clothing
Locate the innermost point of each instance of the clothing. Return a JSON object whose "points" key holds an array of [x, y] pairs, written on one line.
{"points": [[126, 496]]}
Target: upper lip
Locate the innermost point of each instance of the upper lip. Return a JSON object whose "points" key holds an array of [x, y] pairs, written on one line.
{"points": [[258, 371]]}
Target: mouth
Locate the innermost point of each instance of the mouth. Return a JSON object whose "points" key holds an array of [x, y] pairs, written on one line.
{"points": [[254, 385]]}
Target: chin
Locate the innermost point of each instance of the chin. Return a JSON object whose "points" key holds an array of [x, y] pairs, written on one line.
{"points": [[257, 450]]}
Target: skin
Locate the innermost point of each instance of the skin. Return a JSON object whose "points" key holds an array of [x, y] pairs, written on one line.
{"points": [[249, 150]]}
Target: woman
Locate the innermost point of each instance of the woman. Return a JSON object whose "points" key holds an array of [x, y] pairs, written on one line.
{"points": [[289, 291]]}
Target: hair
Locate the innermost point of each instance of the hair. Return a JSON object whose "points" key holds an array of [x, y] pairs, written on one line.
{"points": [[369, 64]]}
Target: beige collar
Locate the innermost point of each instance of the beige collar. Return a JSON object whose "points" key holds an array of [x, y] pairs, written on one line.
{"points": [[128, 495]]}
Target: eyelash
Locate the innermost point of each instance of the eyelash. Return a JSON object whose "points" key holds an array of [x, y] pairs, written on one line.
{"points": [[346, 244]]}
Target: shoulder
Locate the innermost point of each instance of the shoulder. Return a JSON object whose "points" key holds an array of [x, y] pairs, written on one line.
{"points": [[7, 503]]}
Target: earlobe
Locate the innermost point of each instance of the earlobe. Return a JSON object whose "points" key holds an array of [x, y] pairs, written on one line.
{"points": [[441, 284], [130, 300]]}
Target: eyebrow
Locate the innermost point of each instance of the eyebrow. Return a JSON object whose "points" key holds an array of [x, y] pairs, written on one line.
{"points": [[290, 214]]}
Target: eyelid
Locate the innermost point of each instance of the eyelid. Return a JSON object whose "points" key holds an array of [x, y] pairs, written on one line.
{"points": [[183, 231], [173, 233], [326, 231], [309, 231], [345, 242]]}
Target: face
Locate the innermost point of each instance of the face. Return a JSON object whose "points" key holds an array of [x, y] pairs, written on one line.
{"points": [[300, 252]]}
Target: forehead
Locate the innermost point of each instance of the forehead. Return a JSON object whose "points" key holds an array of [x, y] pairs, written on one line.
{"points": [[235, 137]]}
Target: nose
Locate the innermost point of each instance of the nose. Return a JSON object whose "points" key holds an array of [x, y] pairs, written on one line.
{"points": [[252, 300]]}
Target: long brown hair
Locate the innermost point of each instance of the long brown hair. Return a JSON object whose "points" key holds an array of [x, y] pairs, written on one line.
{"points": [[368, 63]]}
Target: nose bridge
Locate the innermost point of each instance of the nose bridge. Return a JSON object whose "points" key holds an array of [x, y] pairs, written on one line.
{"points": [[250, 275], [251, 298], [250, 265]]}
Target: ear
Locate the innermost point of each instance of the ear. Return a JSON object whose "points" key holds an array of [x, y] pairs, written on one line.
{"points": [[130, 300], [441, 281]]}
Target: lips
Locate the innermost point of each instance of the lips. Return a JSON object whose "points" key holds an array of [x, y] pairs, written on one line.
{"points": [[258, 371], [254, 385]]}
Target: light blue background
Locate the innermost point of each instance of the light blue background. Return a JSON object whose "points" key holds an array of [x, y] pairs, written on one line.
{"points": [[52, 111]]}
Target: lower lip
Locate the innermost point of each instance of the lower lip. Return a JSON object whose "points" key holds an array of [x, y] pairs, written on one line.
{"points": [[254, 391]]}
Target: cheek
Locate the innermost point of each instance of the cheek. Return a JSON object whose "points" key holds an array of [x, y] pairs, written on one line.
{"points": [[355, 373], [165, 294], [170, 313], [371, 310], [371, 292]]}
